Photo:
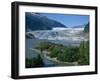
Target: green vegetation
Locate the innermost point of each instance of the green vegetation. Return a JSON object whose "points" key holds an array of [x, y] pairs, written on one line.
{"points": [[54, 52], [67, 53], [70, 54], [43, 46], [34, 62], [84, 53]]}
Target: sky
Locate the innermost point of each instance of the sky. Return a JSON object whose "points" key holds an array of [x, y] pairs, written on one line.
{"points": [[68, 20]]}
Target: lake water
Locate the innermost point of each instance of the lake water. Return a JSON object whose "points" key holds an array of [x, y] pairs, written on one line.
{"points": [[31, 43]]}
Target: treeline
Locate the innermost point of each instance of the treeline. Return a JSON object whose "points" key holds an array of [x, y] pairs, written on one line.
{"points": [[86, 29], [34, 62], [67, 53]]}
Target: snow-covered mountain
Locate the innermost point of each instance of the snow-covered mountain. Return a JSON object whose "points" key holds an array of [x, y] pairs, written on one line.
{"points": [[79, 26]]}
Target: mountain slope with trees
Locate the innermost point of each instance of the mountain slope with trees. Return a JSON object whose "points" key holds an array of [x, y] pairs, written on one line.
{"points": [[35, 21]]}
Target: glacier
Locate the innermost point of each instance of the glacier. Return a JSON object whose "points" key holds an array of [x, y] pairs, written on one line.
{"points": [[72, 34]]}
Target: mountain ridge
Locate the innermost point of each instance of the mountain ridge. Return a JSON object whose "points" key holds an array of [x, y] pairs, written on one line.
{"points": [[38, 22]]}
